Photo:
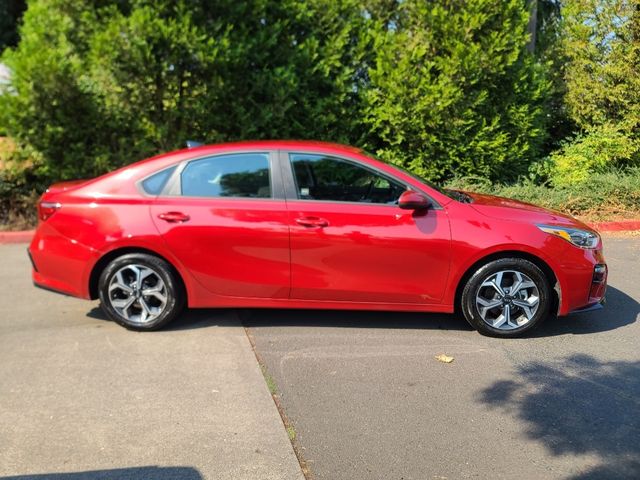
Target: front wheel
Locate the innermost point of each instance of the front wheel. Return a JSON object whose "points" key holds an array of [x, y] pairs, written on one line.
{"points": [[506, 297], [140, 292]]}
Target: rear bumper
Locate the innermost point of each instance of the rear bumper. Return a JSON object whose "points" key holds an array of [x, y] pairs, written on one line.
{"points": [[50, 289], [60, 263]]}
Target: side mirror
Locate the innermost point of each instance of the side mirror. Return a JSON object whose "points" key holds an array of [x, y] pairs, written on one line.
{"points": [[411, 200]]}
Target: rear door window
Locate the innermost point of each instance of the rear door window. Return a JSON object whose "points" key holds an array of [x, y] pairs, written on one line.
{"points": [[242, 175]]}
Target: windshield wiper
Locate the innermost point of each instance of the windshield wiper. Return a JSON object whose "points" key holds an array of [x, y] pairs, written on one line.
{"points": [[460, 196]]}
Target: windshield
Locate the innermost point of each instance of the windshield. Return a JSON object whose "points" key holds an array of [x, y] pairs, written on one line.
{"points": [[454, 194]]}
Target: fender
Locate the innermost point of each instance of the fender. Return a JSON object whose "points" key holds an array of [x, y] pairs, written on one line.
{"points": [[457, 275], [194, 290]]}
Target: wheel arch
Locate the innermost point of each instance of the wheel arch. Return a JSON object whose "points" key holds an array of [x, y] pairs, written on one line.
{"points": [[536, 260], [111, 255]]}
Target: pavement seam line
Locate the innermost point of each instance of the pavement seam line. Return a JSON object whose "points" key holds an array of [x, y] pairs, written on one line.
{"points": [[288, 426]]}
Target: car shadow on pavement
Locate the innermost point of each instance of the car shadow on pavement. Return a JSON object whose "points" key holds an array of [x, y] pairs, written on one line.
{"points": [[253, 317], [620, 310], [352, 319], [190, 318], [132, 473], [577, 406]]}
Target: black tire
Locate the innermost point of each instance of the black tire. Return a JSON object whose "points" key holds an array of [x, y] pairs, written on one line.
{"points": [[508, 266], [172, 290]]}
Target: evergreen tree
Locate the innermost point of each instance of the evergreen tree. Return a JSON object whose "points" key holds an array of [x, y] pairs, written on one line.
{"points": [[602, 45], [101, 83], [454, 91]]}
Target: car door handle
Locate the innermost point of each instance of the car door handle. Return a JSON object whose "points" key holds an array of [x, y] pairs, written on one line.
{"points": [[174, 217], [312, 222]]}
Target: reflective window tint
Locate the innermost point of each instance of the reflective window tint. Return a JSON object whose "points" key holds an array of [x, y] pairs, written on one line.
{"points": [[319, 177], [239, 175]]}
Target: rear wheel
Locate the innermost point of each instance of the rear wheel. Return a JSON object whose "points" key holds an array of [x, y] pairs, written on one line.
{"points": [[140, 292], [506, 297]]}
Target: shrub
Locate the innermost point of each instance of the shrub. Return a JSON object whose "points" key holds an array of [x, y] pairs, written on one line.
{"points": [[18, 188], [599, 150]]}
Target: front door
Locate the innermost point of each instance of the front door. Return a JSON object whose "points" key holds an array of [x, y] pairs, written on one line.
{"points": [[351, 242], [228, 225]]}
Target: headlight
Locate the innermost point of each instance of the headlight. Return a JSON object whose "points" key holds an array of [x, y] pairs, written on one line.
{"points": [[580, 238]]}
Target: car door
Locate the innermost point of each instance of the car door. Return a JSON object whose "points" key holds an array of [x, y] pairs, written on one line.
{"points": [[351, 242], [225, 218]]}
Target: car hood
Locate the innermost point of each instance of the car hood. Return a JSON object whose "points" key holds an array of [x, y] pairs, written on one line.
{"points": [[515, 210]]}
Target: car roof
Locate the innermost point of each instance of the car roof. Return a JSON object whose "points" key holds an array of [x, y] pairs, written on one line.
{"points": [[185, 153], [279, 144], [119, 181]]}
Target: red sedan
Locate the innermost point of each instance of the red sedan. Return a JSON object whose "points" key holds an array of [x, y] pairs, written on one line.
{"points": [[289, 224]]}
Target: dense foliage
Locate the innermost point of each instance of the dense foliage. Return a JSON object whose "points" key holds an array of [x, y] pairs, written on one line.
{"points": [[543, 90], [601, 41], [102, 83], [454, 91]]}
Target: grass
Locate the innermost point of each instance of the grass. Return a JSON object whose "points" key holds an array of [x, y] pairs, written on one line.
{"points": [[273, 389], [271, 383]]}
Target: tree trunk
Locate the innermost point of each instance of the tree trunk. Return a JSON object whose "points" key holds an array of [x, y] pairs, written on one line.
{"points": [[533, 25]]}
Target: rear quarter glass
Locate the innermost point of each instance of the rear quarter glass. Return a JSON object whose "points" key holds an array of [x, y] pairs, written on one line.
{"points": [[154, 184]]}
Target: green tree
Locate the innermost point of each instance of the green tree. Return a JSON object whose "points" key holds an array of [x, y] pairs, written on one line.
{"points": [[101, 83], [453, 90], [549, 52], [601, 45]]}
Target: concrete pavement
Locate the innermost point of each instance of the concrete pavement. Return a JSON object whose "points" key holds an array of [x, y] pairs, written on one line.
{"points": [[368, 399], [85, 398], [81, 397]]}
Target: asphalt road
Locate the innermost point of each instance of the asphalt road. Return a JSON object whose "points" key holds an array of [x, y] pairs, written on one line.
{"points": [[368, 400], [83, 398]]}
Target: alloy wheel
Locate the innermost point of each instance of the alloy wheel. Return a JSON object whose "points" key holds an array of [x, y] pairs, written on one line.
{"points": [[138, 294], [507, 300]]}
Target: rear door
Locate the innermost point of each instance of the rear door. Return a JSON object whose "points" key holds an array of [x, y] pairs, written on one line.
{"points": [[351, 242], [225, 218]]}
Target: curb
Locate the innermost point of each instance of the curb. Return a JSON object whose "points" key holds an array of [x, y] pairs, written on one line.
{"points": [[621, 226], [23, 236]]}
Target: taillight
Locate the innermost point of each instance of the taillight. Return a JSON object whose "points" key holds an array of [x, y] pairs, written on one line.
{"points": [[46, 209]]}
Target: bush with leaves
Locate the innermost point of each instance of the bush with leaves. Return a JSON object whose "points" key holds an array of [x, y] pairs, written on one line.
{"points": [[608, 195], [601, 149]]}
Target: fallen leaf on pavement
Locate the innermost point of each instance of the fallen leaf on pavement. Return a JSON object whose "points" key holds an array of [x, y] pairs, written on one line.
{"points": [[444, 358]]}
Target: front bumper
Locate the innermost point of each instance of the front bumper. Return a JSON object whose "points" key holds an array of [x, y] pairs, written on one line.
{"points": [[590, 308], [582, 275]]}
